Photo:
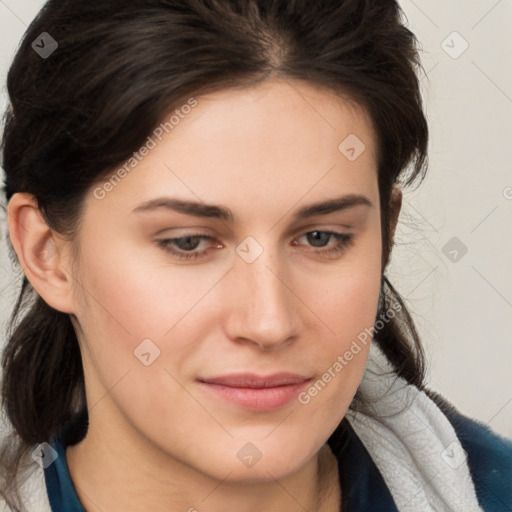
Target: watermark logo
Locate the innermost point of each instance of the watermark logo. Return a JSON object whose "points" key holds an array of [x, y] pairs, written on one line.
{"points": [[455, 45], [352, 147], [47, 253], [152, 141], [454, 455], [249, 250], [44, 455], [44, 45], [363, 338], [454, 249], [249, 455], [146, 352]]}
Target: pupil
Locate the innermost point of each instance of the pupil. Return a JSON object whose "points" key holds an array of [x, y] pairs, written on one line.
{"points": [[318, 238], [188, 243]]}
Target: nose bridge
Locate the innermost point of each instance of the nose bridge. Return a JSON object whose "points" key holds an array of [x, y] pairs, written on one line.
{"points": [[264, 311]]}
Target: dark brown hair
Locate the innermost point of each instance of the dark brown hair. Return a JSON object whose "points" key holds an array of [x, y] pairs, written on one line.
{"points": [[119, 68]]}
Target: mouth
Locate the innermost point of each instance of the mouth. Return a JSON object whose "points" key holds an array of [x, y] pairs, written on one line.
{"points": [[257, 393]]}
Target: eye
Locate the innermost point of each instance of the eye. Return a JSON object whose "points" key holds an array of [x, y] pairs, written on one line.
{"points": [[184, 247], [319, 240]]}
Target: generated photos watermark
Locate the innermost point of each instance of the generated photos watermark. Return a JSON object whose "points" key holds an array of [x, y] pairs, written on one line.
{"points": [[363, 338], [152, 141]]}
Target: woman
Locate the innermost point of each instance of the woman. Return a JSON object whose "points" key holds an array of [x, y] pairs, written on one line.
{"points": [[203, 196]]}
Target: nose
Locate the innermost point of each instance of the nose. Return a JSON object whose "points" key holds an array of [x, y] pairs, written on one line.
{"points": [[263, 310]]}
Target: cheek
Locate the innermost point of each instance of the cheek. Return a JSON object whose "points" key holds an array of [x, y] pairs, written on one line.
{"points": [[128, 301], [137, 294], [346, 297], [347, 304], [125, 304], [340, 358]]}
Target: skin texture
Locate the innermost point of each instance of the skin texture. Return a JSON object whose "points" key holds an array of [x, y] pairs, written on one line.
{"points": [[157, 439]]}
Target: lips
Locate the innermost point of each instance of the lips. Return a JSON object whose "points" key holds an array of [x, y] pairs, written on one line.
{"points": [[249, 380], [254, 392]]}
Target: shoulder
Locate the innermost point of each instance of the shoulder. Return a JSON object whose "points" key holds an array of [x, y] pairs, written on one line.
{"points": [[489, 457]]}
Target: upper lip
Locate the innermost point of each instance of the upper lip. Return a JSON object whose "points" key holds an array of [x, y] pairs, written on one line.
{"points": [[251, 380]]}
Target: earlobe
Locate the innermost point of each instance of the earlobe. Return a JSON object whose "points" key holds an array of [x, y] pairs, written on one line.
{"points": [[39, 252]]}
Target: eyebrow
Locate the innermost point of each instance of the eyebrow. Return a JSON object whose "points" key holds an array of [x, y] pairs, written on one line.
{"points": [[199, 209]]}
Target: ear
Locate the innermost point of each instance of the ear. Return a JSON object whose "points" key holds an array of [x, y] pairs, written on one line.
{"points": [[394, 212], [40, 252]]}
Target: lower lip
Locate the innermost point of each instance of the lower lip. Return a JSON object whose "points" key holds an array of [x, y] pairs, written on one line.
{"points": [[257, 399]]}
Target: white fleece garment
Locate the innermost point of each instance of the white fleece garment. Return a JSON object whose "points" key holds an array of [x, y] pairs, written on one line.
{"points": [[412, 443], [33, 492]]}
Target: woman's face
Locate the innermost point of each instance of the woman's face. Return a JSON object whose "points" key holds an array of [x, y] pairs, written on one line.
{"points": [[180, 339]]}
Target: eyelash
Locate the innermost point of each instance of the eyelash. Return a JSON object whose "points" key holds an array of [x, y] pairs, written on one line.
{"points": [[343, 242]]}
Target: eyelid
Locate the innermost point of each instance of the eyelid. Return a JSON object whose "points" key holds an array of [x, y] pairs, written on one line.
{"points": [[184, 231], [335, 231]]}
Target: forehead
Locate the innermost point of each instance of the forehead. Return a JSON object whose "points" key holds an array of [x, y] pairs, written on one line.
{"points": [[281, 139], [285, 115]]}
